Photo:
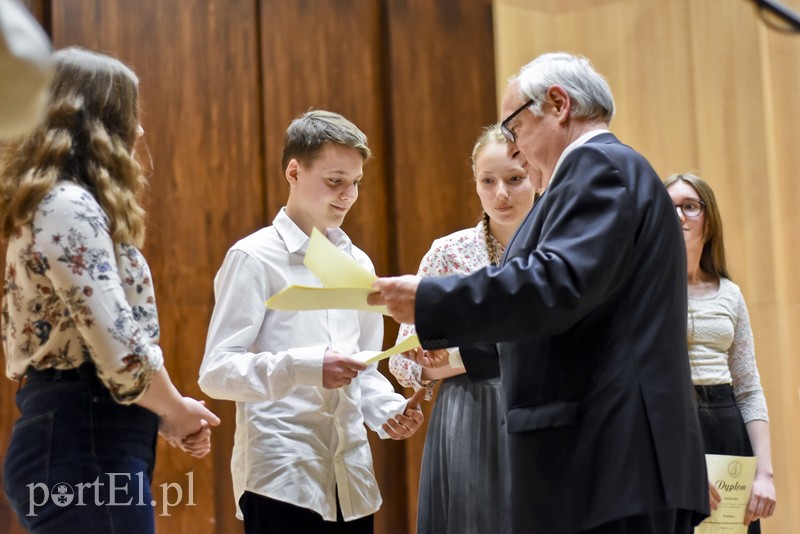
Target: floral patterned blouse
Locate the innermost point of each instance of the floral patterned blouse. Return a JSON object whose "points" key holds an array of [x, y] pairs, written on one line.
{"points": [[71, 295], [461, 252]]}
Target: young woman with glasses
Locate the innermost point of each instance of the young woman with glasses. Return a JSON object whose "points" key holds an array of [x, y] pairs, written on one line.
{"points": [[732, 407]]}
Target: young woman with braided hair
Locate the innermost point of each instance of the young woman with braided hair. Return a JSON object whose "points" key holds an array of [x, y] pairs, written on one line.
{"points": [[464, 480]]}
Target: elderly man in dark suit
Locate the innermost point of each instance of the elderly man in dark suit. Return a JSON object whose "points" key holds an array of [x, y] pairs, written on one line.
{"points": [[588, 312]]}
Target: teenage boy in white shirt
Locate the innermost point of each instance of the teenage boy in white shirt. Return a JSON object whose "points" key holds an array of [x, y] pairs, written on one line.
{"points": [[301, 460]]}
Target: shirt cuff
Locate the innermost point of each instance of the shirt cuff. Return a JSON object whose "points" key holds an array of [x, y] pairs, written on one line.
{"points": [[307, 365], [401, 410]]}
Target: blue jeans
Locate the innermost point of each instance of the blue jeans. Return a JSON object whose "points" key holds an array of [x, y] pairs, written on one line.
{"points": [[77, 460]]}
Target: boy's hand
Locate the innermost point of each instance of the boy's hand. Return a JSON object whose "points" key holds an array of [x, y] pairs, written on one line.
{"points": [[339, 370], [405, 424]]}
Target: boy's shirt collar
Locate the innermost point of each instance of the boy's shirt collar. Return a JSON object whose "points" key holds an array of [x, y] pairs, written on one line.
{"points": [[297, 241]]}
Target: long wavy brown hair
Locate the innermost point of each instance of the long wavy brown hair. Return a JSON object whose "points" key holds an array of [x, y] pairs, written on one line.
{"points": [[87, 137], [712, 259]]}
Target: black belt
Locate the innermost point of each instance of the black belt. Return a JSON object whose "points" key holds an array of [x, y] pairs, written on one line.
{"points": [[86, 371], [715, 396]]}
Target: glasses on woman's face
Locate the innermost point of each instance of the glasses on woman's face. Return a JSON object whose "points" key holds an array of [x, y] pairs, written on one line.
{"points": [[691, 208]]}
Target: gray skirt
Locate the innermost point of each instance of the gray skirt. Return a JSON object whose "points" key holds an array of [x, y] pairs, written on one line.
{"points": [[464, 484]]}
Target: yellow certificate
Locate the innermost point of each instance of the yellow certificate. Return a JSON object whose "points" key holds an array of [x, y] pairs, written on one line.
{"points": [[370, 356], [298, 298], [346, 284], [733, 477], [333, 266]]}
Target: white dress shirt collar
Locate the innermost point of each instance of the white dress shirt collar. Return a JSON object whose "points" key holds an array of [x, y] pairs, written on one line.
{"points": [[296, 239], [572, 146]]}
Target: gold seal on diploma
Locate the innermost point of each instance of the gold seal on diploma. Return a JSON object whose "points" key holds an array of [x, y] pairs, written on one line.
{"points": [[735, 468]]}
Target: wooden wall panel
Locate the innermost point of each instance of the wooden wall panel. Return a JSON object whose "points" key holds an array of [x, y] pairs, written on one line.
{"points": [[197, 63], [329, 55], [395, 76], [441, 58], [705, 86], [779, 56], [623, 39], [220, 81], [440, 72], [699, 84]]}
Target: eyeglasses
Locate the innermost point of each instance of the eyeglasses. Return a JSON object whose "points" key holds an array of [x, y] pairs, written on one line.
{"points": [[691, 208], [507, 133]]}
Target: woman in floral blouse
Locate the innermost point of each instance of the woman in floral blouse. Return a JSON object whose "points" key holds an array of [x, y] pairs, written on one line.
{"points": [[463, 485], [79, 322]]}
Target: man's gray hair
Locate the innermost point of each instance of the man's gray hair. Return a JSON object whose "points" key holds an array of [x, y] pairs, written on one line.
{"points": [[588, 89]]}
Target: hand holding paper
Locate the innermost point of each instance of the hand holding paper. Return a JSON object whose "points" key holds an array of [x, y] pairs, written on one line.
{"points": [[732, 476], [371, 356], [347, 286], [399, 294], [339, 370]]}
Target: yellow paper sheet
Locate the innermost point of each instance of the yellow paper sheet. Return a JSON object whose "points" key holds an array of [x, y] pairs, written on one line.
{"points": [[298, 298], [347, 283], [333, 266], [371, 356]]}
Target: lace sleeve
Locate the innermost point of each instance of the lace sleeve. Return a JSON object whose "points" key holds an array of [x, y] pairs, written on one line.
{"points": [[744, 372]]}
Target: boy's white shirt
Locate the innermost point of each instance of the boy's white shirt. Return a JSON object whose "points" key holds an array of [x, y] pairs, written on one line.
{"points": [[295, 441]]}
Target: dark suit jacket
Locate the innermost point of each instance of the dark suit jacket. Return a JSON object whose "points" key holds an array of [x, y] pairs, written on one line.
{"points": [[589, 313]]}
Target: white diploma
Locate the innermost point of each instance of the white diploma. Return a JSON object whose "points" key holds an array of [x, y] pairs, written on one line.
{"points": [[346, 284], [733, 477]]}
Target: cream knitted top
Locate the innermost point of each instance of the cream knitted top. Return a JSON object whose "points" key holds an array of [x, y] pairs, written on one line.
{"points": [[721, 349]]}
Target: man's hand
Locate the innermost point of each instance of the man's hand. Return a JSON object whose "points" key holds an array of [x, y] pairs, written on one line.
{"points": [[339, 370], [405, 424], [399, 294]]}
